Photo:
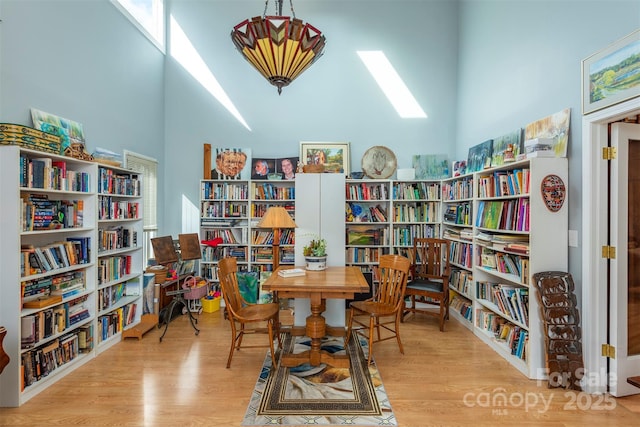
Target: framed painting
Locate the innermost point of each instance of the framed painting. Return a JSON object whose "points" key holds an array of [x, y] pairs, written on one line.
{"points": [[612, 75], [333, 155], [430, 166], [509, 143]]}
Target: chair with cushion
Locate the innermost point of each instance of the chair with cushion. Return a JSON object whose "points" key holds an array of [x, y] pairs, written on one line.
{"points": [[429, 278], [384, 309], [241, 313]]}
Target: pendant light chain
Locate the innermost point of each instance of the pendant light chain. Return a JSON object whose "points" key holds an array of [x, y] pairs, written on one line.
{"points": [[278, 8], [293, 13]]}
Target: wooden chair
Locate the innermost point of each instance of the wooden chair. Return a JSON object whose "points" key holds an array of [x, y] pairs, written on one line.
{"points": [[429, 281], [242, 313], [387, 302]]}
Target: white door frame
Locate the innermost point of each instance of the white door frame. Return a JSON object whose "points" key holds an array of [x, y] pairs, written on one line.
{"points": [[594, 235]]}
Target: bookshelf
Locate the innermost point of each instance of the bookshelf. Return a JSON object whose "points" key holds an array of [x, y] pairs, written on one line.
{"points": [[224, 213], [120, 265], [367, 222], [48, 265], [515, 236], [457, 227], [416, 207], [264, 194]]}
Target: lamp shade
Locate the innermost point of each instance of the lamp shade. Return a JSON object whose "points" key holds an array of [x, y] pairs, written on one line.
{"points": [[279, 47], [277, 217]]}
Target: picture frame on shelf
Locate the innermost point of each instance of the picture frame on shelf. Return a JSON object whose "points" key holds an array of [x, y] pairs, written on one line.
{"points": [[554, 127], [480, 156], [611, 75], [501, 152], [333, 155], [279, 168], [230, 163]]}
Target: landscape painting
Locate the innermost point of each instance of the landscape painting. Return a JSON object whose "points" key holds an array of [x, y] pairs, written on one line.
{"points": [[612, 75], [556, 127]]}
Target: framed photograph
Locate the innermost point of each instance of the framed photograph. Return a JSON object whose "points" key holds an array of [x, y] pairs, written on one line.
{"points": [[612, 75], [333, 155]]}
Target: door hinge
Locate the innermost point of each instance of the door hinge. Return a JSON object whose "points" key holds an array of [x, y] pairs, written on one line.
{"points": [[609, 252], [608, 351], [609, 153]]}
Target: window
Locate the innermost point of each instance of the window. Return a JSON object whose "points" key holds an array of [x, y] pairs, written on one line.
{"points": [[148, 16], [148, 167]]}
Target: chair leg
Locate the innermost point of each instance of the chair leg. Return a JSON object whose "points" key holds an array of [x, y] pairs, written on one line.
{"points": [[398, 332], [273, 355], [233, 343], [371, 326], [349, 325]]}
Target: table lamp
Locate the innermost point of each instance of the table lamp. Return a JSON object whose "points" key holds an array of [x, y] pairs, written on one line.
{"points": [[276, 218]]}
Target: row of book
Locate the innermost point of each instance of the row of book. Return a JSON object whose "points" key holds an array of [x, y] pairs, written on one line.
{"points": [[109, 296], [512, 301], [359, 212], [455, 233], [265, 237], [229, 236], [113, 268], [416, 191], [38, 363], [457, 190], [49, 174], [224, 191], [117, 238], [267, 191], [111, 208], [114, 322], [462, 281], [112, 182], [258, 210], [38, 212], [459, 214], [513, 337], [504, 183], [512, 215], [56, 255], [216, 254], [418, 212], [461, 254], [215, 210], [462, 306], [363, 255], [506, 263], [404, 235], [367, 191]]}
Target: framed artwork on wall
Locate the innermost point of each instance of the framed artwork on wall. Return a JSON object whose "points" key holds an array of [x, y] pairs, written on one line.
{"points": [[333, 155], [612, 75]]}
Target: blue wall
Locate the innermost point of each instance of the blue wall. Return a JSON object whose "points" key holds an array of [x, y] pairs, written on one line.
{"points": [[478, 68]]}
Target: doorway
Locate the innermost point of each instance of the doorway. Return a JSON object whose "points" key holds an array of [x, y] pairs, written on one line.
{"points": [[609, 317]]}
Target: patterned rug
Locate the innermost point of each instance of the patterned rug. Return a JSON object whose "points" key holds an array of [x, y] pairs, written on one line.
{"points": [[321, 395]]}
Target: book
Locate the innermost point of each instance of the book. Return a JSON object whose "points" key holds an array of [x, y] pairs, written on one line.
{"points": [[292, 272]]}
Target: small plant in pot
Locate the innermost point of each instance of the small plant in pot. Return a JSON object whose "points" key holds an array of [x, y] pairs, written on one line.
{"points": [[315, 254]]}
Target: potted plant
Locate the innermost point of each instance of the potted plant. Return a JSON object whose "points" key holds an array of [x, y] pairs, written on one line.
{"points": [[315, 254]]}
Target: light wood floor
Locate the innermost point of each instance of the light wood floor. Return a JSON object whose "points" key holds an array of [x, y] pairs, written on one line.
{"points": [[443, 379]]}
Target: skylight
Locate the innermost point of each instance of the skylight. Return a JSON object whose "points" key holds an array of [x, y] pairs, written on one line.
{"points": [[186, 54], [391, 84], [147, 15]]}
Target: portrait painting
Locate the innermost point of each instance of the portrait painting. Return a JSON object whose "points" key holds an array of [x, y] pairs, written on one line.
{"points": [[232, 164]]}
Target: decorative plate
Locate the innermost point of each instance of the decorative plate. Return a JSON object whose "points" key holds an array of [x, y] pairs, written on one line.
{"points": [[553, 192], [379, 162]]}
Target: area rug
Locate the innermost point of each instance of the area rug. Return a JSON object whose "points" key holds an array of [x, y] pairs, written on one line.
{"points": [[322, 395]]}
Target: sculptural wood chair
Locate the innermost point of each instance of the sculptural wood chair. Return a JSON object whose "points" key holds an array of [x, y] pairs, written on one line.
{"points": [[384, 310], [240, 312], [429, 278]]}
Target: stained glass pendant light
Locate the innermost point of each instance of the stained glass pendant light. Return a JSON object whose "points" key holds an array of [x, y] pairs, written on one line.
{"points": [[279, 47]]}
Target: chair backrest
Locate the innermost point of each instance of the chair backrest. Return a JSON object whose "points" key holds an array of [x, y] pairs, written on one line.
{"points": [[430, 259], [227, 274], [393, 274]]}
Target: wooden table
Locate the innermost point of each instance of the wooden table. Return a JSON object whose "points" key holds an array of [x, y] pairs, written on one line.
{"points": [[334, 282]]}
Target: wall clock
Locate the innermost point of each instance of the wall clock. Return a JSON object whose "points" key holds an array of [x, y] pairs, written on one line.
{"points": [[379, 162]]}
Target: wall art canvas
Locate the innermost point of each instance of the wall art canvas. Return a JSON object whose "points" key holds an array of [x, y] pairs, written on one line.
{"points": [[274, 168], [509, 143], [612, 75], [459, 167], [333, 155], [430, 166], [231, 163], [480, 156], [71, 132], [556, 127]]}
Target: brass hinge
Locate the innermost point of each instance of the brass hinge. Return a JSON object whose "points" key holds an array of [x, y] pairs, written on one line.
{"points": [[608, 351], [609, 252], [609, 153]]}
